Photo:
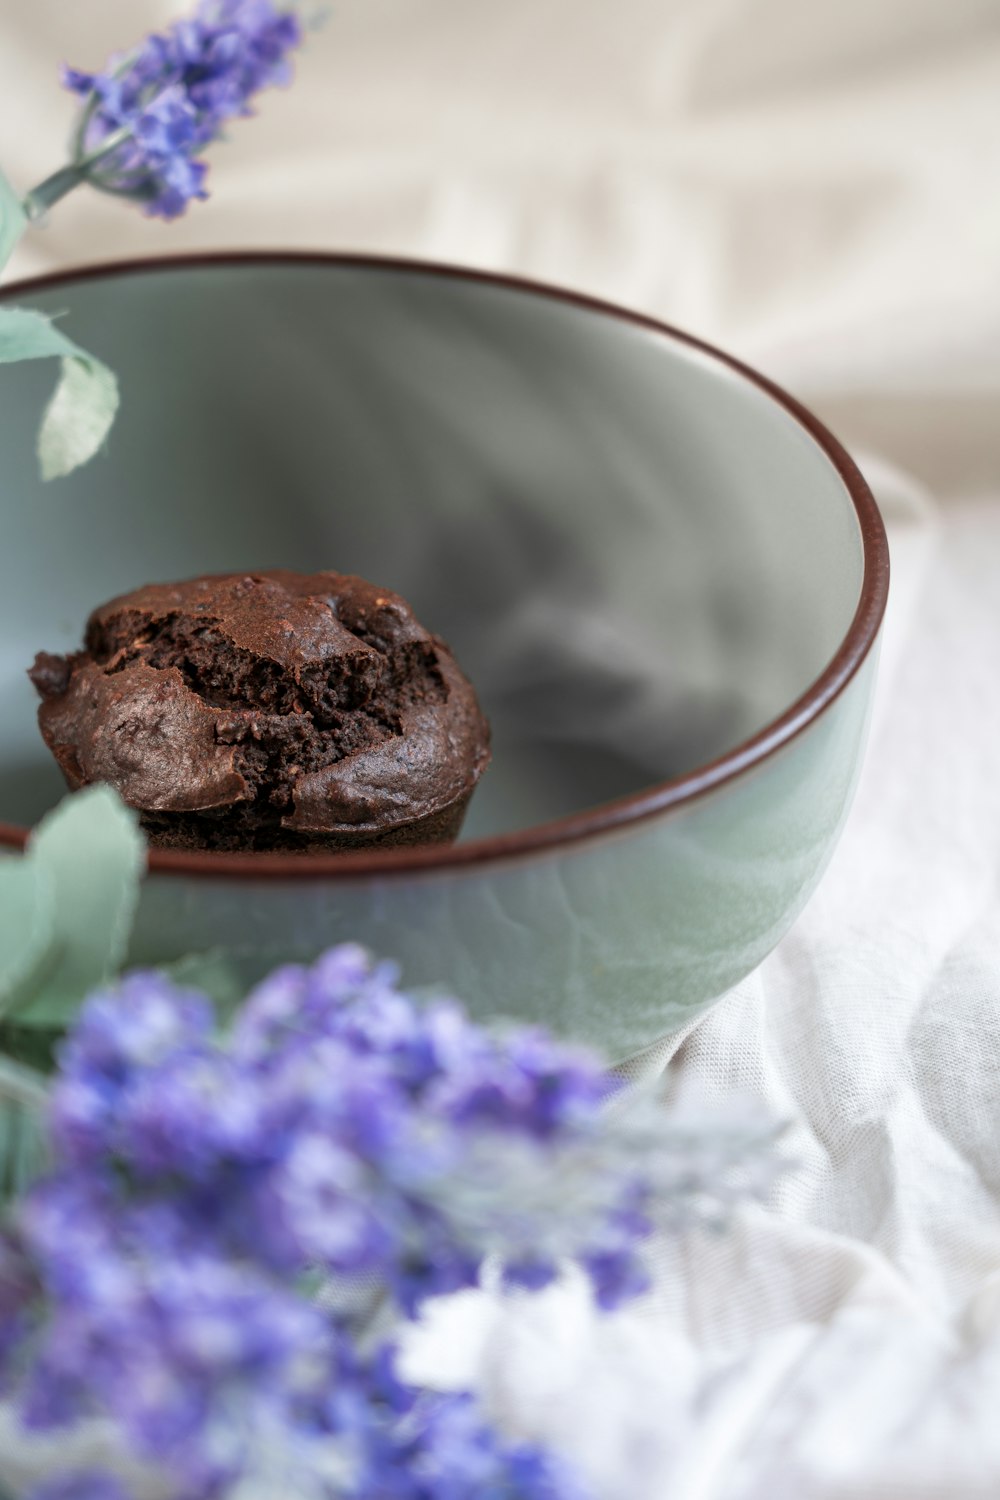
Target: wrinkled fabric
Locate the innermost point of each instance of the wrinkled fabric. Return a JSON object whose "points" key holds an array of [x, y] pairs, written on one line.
{"points": [[815, 188]]}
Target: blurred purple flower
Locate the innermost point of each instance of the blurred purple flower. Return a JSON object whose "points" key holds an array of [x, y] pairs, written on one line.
{"points": [[342, 1127], [172, 96], [336, 1129], [439, 1448], [206, 1185], [428, 1445], [189, 1351], [119, 1040]]}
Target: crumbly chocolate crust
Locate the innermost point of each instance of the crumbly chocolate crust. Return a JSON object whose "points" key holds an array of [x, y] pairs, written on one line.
{"points": [[272, 710]]}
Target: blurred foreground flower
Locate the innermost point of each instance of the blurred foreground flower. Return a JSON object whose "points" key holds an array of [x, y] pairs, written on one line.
{"points": [[238, 1223]]}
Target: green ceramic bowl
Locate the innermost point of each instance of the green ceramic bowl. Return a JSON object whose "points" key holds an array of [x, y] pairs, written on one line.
{"points": [[665, 578]]}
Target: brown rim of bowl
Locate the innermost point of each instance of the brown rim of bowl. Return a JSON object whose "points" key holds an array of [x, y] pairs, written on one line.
{"points": [[609, 817]]}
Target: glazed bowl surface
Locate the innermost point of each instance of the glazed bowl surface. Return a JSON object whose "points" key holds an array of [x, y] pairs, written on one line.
{"points": [[664, 577]]}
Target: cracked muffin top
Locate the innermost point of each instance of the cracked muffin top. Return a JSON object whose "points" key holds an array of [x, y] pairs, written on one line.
{"points": [[271, 710]]}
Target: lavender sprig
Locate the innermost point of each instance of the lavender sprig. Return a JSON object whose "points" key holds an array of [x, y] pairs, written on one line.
{"points": [[150, 114], [164, 1273], [356, 1134]]}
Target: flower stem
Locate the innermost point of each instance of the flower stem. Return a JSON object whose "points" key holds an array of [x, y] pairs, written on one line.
{"points": [[41, 198]]}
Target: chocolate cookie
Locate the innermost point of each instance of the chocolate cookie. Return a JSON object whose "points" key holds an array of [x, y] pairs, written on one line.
{"points": [[271, 710]]}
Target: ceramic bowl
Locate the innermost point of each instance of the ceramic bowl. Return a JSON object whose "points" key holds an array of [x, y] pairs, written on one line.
{"points": [[664, 576]]}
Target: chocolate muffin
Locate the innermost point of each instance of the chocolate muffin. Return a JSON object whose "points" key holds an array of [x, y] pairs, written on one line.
{"points": [[276, 710]]}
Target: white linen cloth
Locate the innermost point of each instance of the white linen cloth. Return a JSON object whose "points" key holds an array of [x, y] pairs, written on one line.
{"points": [[816, 189]]}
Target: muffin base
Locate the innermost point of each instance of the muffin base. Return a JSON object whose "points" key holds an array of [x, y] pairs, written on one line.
{"points": [[211, 835]]}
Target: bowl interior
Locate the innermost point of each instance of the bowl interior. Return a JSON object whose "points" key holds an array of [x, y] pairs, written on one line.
{"points": [[638, 556]]}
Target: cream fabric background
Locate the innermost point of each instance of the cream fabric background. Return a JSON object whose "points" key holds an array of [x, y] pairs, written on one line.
{"points": [[818, 189]]}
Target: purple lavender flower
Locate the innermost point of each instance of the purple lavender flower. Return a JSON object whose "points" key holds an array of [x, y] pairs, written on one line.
{"points": [[336, 1128], [118, 1041], [439, 1448], [352, 1131], [164, 1274], [190, 1352], [427, 1445], [441, 1120], [150, 115]]}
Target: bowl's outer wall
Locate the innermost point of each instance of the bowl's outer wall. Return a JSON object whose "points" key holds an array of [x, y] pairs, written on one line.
{"points": [[641, 559], [615, 941]]}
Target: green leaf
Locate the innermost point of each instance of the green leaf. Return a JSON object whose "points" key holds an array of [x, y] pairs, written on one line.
{"points": [[13, 222], [21, 1085], [91, 850], [23, 1132], [80, 414], [27, 927], [33, 1046], [78, 418], [212, 973]]}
